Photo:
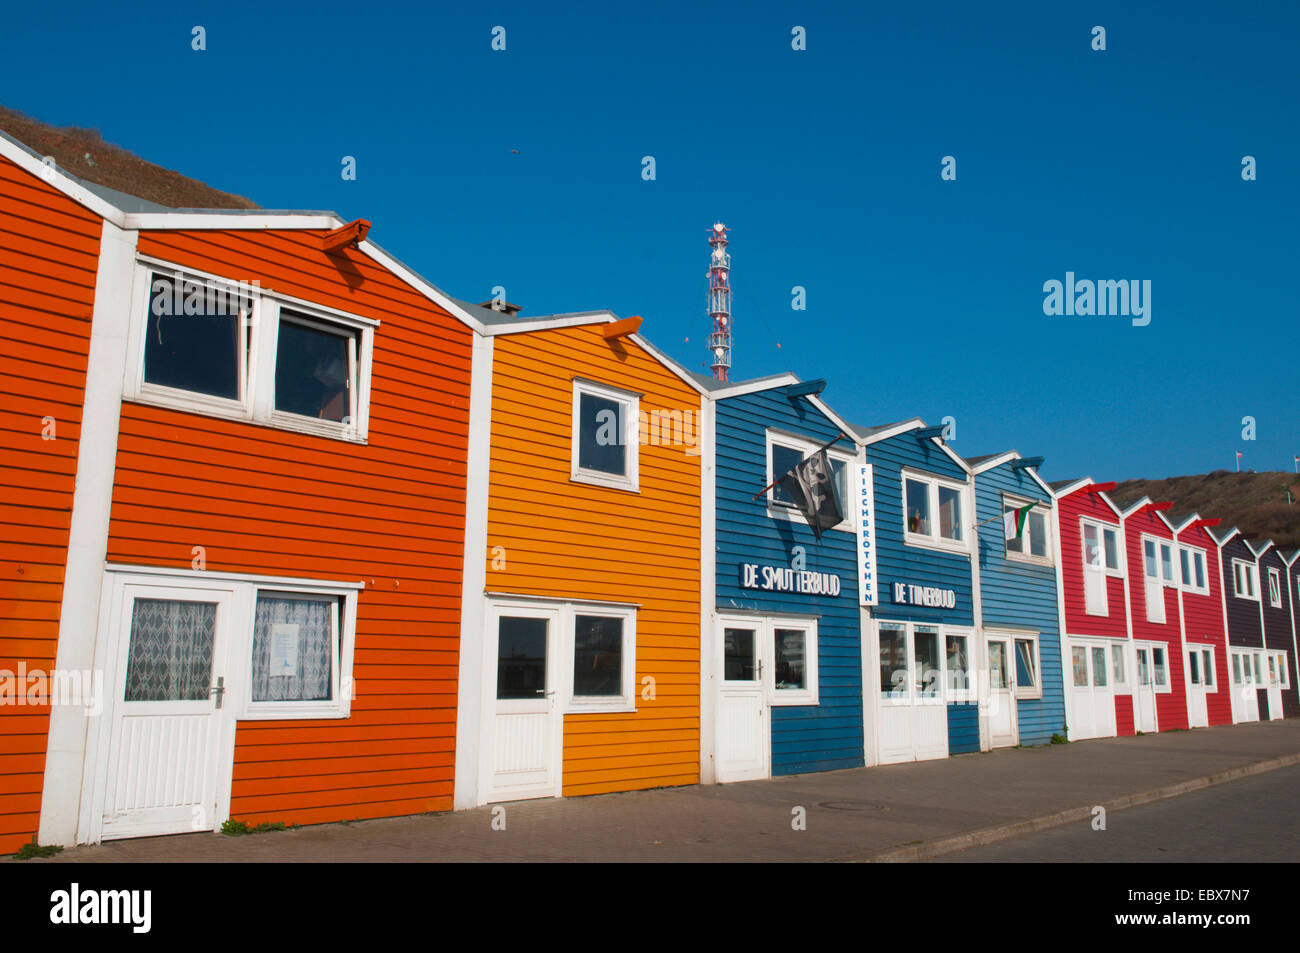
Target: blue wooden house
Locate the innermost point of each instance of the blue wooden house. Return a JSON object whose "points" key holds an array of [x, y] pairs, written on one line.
{"points": [[922, 691], [781, 662], [1019, 606]]}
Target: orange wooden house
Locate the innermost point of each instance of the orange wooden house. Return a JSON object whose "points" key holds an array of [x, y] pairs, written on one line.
{"points": [[257, 576], [580, 661]]}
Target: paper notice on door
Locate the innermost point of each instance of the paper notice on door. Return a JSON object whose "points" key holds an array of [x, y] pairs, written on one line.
{"points": [[284, 649]]}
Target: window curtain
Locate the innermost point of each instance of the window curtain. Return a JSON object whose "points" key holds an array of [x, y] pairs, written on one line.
{"points": [[170, 658], [310, 679]]}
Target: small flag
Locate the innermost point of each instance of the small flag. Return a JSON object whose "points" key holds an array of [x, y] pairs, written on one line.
{"points": [[1238, 454], [811, 485], [1013, 521]]}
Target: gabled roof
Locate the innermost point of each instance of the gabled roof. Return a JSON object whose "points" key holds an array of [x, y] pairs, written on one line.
{"points": [[1258, 547], [991, 461], [870, 435], [1221, 534]]}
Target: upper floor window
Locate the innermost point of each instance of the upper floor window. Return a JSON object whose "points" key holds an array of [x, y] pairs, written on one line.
{"points": [[605, 435], [1101, 547], [208, 345], [1245, 579], [1034, 544], [933, 511], [1192, 563], [1274, 589], [784, 453]]}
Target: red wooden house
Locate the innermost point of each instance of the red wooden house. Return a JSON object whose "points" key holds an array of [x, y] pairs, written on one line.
{"points": [[1091, 576]]}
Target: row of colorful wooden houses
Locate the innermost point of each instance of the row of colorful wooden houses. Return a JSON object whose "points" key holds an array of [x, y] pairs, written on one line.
{"points": [[289, 534]]}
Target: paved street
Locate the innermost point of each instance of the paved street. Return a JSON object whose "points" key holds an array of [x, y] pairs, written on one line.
{"points": [[851, 815], [1250, 820]]}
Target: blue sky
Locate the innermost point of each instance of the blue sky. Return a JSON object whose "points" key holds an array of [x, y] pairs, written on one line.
{"points": [[924, 296]]}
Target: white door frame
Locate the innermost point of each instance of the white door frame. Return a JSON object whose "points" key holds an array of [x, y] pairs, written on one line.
{"points": [[110, 651], [932, 708], [1145, 694], [755, 689], [1008, 638], [496, 608]]}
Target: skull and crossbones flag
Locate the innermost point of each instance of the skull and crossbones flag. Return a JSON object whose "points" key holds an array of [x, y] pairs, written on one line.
{"points": [[811, 485]]}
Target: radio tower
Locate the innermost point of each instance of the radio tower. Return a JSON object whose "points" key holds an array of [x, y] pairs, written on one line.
{"points": [[720, 302]]}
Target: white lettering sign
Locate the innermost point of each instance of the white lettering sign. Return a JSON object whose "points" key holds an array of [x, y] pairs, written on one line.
{"points": [[909, 595], [780, 579]]}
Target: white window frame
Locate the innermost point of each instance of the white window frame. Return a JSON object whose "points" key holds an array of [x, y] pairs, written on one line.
{"points": [[944, 696], [1045, 509], [243, 590], [1251, 575], [630, 480], [1285, 665], [566, 647], [780, 510], [1167, 687], [1154, 600], [934, 540], [1197, 557], [1021, 691], [1209, 668], [969, 694], [260, 332], [790, 696], [1274, 586], [1123, 684], [1102, 528]]}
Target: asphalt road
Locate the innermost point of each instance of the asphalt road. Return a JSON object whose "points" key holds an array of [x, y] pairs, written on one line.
{"points": [[1251, 820]]}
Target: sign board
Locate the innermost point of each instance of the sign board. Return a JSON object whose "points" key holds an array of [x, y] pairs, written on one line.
{"points": [[909, 595], [865, 500], [781, 579]]}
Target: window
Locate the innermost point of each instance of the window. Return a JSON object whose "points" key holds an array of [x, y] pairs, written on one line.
{"points": [[229, 349], [958, 664], [316, 369], [933, 512], [1079, 660], [1117, 667], [295, 648], [1099, 667], [522, 644], [928, 666], [1154, 553], [777, 654], [1100, 559], [597, 656], [784, 453], [1236, 669], [1194, 666], [1167, 563], [1034, 544], [1192, 562], [1160, 667], [893, 660], [604, 441], [1245, 579], [1284, 669], [1027, 685], [1274, 589], [1207, 669]]}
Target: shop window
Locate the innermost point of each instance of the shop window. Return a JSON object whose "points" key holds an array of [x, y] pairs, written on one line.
{"points": [[794, 661], [1194, 666], [928, 664], [1245, 579], [604, 445], [958, 663], [1027, 684], [1099, 677], [1207, 670], [1034, 545], [933, 512], [1119, 672], [1284, 669], [1160, 669], [1236, 669]]}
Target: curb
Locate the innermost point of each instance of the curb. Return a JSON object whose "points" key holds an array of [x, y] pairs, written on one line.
{"points": [[990, 835]]}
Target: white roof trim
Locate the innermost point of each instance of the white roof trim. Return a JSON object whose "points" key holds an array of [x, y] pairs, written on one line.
{"points": [[230, 221], [420, 284], [996, 460], [51, 175], [915, 423], [1258, 552], [753, 387], [545, 324]]}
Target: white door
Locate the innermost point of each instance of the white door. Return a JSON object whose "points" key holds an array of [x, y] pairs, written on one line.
{"points": [[912, 716], [167, 745], [1002, 691], [1276, 662], [1144, 695], [1094, 700], [743, 744], [1245, 685], [1200, 675], [526, 732]]}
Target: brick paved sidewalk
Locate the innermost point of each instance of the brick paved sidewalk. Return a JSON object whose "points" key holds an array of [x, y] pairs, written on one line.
{"points": [[851, 815]]}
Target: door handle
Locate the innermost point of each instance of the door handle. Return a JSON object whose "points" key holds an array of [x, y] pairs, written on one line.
{"points": [[758, 670], [219, 689], [542, 691]]}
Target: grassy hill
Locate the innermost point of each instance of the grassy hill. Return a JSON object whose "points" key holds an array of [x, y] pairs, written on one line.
{"points": [[1255, 503], [85, 154]]}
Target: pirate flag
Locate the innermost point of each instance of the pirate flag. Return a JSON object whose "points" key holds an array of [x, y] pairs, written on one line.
{"points": [[812, 487]]}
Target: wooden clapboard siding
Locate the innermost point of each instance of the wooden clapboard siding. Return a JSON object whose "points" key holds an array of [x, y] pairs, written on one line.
{"points": [[1244, 625], [1203, 625], [272, 502], [805, 738], [1277, 624], [1069, 511], [1171, 706], [563, 539], [49, 256], [1021, 595]]}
